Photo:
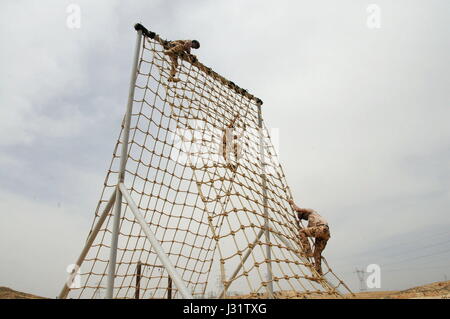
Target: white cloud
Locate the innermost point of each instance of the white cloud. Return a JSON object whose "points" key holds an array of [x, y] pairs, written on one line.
{"points": [[43, 63]]}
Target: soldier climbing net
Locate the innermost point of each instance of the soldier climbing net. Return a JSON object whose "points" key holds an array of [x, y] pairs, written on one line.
{"points": [[195, 197]]}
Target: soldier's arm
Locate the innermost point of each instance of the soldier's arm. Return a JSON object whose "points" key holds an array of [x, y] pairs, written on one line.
{"points": [[177, 48], [306, 210], [294, 207], [299, 209]]}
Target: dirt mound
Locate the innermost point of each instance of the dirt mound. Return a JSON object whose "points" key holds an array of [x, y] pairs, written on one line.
{"points": [[434, 290], [8, 293], [285, 294], [373, 295]]}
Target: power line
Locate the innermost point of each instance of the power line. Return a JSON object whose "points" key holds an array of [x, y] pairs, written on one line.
{"points": [[415, 258], [428, 246], [408, 241], [422, 268], [365, 253], [418, 257]]}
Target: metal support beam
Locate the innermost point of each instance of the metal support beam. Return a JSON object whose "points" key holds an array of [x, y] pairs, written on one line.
{"points": [[155, 244], [138, 279], [121, 178], [286, 243], [266, 212], [90, 241], [241, 264], [169, 288]]}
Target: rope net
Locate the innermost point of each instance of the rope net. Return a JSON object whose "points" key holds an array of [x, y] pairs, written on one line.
{"points": [[195, 171]]}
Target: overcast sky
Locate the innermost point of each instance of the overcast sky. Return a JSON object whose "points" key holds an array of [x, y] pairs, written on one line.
{"points": [[362, 115]]}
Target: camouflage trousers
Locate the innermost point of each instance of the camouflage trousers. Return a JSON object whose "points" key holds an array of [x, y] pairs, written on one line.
{"points": [[173, 70], [321, 235]]}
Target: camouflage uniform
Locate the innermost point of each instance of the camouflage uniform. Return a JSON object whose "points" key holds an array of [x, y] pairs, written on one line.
{"points": [[176, 48], [317, 228], [230, 144]]}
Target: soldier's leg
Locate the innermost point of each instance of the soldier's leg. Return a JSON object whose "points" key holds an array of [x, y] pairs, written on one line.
{"points": [[224, 146], [229, 147], [303, 235], [173, 71], [319, 246], [225, 153], [322, 236]]}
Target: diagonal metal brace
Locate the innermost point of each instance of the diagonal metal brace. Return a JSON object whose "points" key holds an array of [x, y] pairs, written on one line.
{"points": [[155, 244]]}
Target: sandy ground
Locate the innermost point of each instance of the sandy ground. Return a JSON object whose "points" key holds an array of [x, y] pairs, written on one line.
{"points": [[436, 290], [8, 293]]}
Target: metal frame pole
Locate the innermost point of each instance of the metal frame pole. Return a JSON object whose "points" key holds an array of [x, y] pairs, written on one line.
{"points": [[121, 178], [90, 240], [138, 279], [169, 288], [155, 244], [266, 212]]}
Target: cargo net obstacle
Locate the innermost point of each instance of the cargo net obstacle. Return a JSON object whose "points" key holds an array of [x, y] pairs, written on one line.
{"points": [[203, 174]]}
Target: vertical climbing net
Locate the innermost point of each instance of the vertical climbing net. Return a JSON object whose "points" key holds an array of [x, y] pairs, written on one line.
{"points": [[204, 174]]}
